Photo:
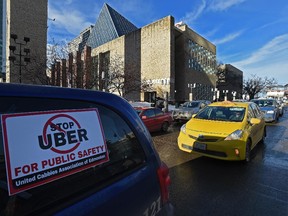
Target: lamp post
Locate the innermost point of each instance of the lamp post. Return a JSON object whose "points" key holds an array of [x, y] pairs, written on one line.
{"points": [[234, 94], [19, 54], [191, 86], [225, 92], [215, 94]]}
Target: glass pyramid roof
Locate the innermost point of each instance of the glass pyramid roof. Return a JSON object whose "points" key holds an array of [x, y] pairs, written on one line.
{"points": [[109, 26]]}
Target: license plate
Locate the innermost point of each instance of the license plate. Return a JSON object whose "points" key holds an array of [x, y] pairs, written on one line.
{"points": [[198, 145]]}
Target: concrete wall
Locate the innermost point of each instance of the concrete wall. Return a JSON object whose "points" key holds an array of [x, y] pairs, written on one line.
{"points": [[27, 18], [157, 54]]}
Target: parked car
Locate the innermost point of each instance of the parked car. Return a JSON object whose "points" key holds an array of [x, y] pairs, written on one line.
{"points": [[281, 106], [154, 118], [185, 111], [77, 152], [224, 130], [270, 109]]}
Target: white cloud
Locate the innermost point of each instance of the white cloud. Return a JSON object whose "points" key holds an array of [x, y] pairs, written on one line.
{"points": [[213, 5], [211, 32], [190, 17], [275, 50], [72, 21], [271, 60], [273, 23], [278, 71], [221, 5], [228, 38]]}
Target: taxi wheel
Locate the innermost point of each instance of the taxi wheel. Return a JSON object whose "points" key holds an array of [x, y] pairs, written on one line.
{"points": [[165, 126], [248, 151]]}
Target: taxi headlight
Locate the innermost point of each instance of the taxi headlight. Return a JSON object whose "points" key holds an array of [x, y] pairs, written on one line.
{"points": [[183, 128], [236, 135], [270, 112]]}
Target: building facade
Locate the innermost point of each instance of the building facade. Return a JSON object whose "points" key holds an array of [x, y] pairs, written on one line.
{"points": [[168, 57], [2, 35], [80, 41], [195, 64], [26, 40], [229, 82]]}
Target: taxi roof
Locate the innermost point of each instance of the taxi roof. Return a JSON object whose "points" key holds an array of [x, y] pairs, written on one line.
{"points": [[230, 104]]}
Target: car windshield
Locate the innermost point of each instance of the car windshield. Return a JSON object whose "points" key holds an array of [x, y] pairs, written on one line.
{"points": [[191, 104], [219, 113], [263, 103]]}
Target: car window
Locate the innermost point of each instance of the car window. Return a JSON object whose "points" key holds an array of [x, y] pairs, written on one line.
{"points": [[251, 113], [256, 110], [124, 150], [191, 104], [149, 113], [220, 113], [158, 112], [236, 114]]}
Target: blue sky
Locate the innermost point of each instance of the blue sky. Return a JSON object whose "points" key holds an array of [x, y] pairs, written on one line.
{"points": [[252, 35]]}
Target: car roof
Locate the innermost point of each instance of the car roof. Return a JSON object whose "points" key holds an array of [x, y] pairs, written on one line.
{"points": [[230, 104], [144, 108], [112, 101], [258, 99]]}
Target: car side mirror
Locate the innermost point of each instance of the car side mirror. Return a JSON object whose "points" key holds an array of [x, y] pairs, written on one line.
{"points": [[143, 117], [254, 121]]}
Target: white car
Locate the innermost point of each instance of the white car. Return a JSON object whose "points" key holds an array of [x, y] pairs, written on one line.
{"points": [[185, 111]]}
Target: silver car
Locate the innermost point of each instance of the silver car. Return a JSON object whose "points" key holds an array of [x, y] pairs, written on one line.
{"points": [[269, 108], [185, 111], [281, 106]]}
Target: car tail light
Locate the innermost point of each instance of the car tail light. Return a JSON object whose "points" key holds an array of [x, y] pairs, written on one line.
{"points": [[164, 179]]}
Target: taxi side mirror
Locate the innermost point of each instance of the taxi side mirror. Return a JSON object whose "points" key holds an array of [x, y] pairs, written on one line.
{"points": [[255, 121]]}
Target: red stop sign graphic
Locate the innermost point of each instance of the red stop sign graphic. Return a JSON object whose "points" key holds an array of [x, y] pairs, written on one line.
{"points": [[50, 123]]}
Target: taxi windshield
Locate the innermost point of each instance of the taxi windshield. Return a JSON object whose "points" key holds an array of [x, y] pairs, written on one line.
{"points": [[263, 103], [191, 104], [219, 113]]}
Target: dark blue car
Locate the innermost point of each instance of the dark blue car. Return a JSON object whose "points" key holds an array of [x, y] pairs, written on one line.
{"points": [[77, 152]]}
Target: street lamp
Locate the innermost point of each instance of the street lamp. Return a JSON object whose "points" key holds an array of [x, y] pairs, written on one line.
{"points": [[234, 94], [215, 94], [191, 85], [24, 57], [225, 92]]}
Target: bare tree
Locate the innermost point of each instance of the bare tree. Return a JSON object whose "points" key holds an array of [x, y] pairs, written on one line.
{"points": [[146, 85], [38, 71], [255, 85], [122, 79]]}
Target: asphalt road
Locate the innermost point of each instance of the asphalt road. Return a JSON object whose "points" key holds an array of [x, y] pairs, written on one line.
{"points": [[205, 186]]}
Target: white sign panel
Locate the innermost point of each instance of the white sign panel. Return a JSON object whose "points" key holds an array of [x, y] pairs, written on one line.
{"points": [[41, 147]]}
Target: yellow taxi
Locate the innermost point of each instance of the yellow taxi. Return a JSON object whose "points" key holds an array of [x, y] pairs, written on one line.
{"points": [[224, 130]]}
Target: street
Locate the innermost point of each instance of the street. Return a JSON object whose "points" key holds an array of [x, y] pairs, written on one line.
{"points": [[205, 186]]}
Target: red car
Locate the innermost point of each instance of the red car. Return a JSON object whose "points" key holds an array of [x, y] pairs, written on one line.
{"points": [[154, 118]]}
